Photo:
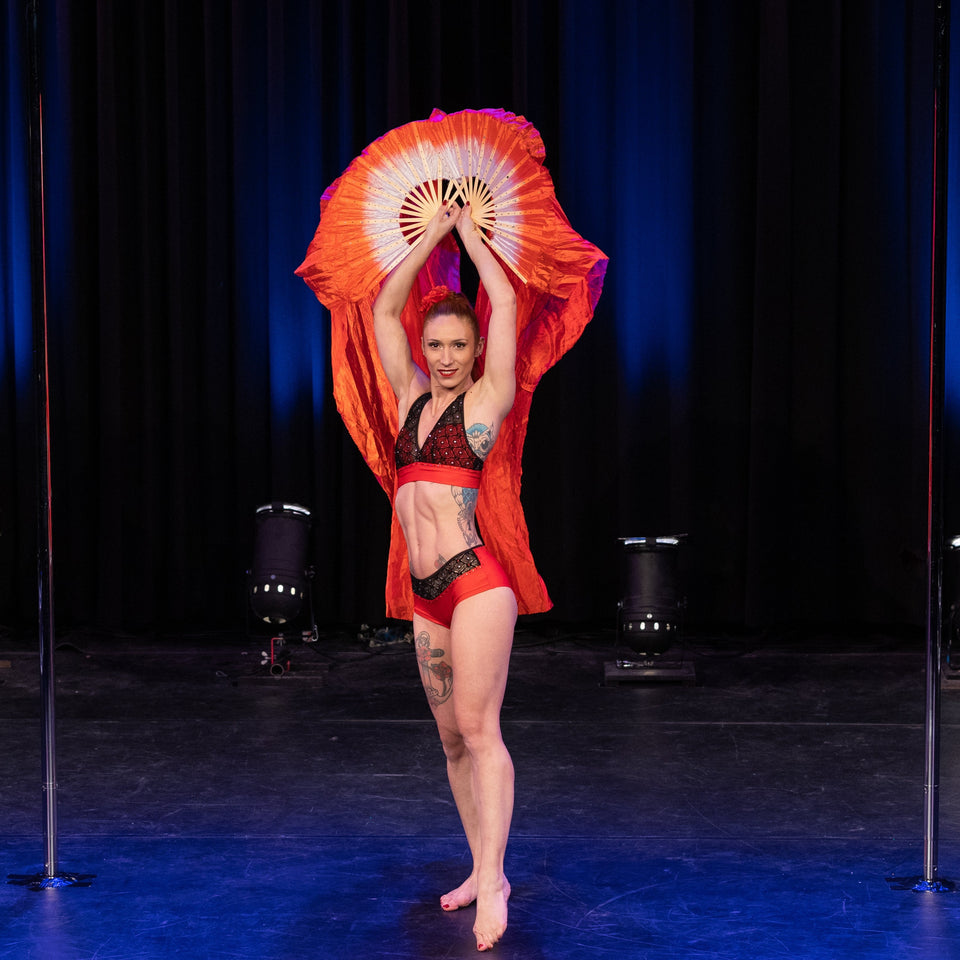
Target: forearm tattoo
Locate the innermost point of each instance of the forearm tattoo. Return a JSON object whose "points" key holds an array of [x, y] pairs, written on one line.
{"points": [[437, 674]]}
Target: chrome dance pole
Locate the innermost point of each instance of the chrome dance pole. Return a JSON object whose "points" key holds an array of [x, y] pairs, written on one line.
{"points": [[51, 876], [931, 782], [931, 881]]}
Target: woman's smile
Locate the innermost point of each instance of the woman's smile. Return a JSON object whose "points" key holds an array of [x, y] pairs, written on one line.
{"points": [[449, 346]]}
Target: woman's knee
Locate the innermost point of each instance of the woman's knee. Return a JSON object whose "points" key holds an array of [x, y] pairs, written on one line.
{"points": [[478, 730], [470, 731], [452, 742]]}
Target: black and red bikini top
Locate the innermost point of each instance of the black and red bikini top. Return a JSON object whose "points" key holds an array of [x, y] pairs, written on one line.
{"points": [[446, 455]]}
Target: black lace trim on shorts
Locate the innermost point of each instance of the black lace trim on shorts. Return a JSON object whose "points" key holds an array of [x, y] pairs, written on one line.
{"points": [[431, 587]]}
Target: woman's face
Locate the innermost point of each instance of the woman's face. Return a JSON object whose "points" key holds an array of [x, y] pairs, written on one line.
{"points": [[450, 346]]}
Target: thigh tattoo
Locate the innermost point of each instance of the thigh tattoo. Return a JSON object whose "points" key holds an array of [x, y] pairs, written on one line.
{"points": [[437, 674]]}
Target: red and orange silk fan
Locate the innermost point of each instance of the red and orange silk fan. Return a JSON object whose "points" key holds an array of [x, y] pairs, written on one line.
{"points": [[381, 205], [372, 216]]}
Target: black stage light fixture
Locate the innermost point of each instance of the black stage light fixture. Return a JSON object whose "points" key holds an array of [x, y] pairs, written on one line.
{"points": [[279, 580], [649, 613], [650, 604], [950, 608]]}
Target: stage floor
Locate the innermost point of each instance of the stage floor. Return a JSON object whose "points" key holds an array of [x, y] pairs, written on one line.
{"points": [[226, 813]]}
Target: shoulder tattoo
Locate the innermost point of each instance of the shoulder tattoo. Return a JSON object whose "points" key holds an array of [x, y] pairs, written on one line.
{"points": [[481, 438]]}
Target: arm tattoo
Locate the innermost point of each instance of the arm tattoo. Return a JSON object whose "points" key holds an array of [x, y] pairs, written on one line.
{"points": [[466, 498], [436, 673], [481, 438]]}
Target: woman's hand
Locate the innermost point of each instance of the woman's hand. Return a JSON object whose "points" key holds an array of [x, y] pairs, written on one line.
{"points": [[465, 225], [444, 220]]}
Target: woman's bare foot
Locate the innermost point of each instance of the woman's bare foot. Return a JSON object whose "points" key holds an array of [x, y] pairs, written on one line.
{"points": [[463, 896], [491, 915]]}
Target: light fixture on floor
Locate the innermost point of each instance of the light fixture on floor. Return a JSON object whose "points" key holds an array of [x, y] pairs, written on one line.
{"points": [[278, 583], [950, 605], [649, 613]]}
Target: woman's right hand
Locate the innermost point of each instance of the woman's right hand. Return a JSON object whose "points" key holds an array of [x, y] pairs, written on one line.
{"points": [[443, 221]]}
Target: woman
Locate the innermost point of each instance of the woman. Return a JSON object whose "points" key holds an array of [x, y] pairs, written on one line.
{"points": [[464, 608]]}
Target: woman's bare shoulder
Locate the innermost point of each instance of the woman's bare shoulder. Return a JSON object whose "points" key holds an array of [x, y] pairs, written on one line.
{"points": [[418, 386], [485, 406]]}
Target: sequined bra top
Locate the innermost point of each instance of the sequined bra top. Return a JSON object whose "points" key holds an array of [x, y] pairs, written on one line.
{"points": [[446, 455]]}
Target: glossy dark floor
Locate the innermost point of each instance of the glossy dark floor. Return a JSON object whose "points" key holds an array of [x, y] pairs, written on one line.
{"points": [[230, 814]]}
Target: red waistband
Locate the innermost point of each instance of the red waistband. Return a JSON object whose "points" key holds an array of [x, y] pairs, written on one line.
{"points": [[438, 473]]}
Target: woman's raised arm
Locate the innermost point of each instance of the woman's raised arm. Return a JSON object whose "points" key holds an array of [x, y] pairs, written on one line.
{"points": [[392, 344], [499, 369]]}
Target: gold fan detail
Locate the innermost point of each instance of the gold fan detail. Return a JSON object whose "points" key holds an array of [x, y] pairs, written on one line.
{"points": [[380, 207]]}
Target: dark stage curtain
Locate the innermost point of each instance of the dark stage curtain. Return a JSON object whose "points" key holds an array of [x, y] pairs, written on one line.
{"points": [[755, 376]]}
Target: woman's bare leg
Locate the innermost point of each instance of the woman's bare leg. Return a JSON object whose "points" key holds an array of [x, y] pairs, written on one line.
{"points": [[433, 655], [477, 650]]}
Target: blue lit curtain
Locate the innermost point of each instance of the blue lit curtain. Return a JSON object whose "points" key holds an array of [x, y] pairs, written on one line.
{"points": [[17, 484], [755, 376]]}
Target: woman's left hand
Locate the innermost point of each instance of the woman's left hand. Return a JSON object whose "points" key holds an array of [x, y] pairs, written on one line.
{"points": [[465, 225]]}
